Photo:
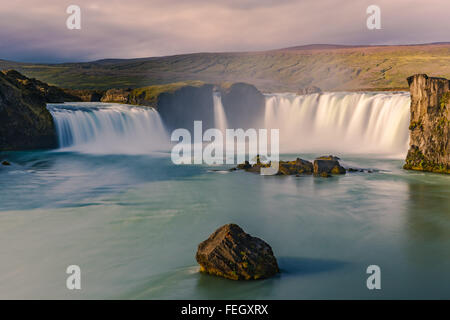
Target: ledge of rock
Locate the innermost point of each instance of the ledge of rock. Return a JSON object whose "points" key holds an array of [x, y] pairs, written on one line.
{"points": [[233, 254], [323, 166]]}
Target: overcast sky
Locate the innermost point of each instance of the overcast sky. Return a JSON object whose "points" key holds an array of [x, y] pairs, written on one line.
{"points": [[36, 31]]}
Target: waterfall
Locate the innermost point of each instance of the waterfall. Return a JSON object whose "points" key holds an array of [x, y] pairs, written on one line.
{"points": [[341, 122], [220, 119], [108, 128]]}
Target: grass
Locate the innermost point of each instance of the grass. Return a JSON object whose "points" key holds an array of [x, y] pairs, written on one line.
{"points": [[333, 69]]}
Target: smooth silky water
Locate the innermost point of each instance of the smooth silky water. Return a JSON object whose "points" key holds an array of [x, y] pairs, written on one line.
{"points": [[111, 201]]}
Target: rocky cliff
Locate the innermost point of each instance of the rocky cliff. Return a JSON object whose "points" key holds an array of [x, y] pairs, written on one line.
{"points": [[87, 95], [116, 95], [244, 105], [181, 103], [25, 122], [50, 93], [429, 127]]}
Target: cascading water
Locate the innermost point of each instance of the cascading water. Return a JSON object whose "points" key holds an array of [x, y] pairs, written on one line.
{"points": [[220, 119], [341, 122], [328, 122], [108, 128]]}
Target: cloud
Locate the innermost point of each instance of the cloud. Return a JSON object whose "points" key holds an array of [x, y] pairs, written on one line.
{"points": [[36, 31]]}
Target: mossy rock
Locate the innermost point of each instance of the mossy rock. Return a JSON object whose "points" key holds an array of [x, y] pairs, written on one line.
{"points": [[231, 253]]}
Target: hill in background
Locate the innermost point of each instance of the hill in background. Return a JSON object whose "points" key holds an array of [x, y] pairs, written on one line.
{"points": [[330, 67]]}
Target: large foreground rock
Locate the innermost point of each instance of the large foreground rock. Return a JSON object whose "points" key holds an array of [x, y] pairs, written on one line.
{"points": [[231, 253], [429, 127]]}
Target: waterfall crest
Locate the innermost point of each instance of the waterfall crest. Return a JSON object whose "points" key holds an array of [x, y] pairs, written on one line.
{"points": [[341, 122], [108, 128]]}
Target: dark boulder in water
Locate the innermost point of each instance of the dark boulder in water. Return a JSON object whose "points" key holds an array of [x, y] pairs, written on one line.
{"points": [[6, 163], [233, 254], [328, 165]]}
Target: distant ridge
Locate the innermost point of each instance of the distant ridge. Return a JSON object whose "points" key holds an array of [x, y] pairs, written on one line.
{"points": [[331, 67], [343, 46]]}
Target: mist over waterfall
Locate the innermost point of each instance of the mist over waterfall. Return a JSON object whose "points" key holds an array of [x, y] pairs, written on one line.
{"points": [[108, 128], [220, 118], [341, 122]]}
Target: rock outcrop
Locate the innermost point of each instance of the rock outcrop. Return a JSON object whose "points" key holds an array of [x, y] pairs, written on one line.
{"points": [[50, 93], [181, 107], [323, 166], [309, 90], [429, 127], [25, 122], [231, 253], [244, 105], [87, 95], [116, 96], [326, 165]]}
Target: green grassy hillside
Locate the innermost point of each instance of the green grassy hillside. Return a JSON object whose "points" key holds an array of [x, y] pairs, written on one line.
{"points": [[328, 67]]}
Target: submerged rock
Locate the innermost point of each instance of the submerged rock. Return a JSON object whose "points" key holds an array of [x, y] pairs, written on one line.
{"points": [[233, 254], [328, 165], [6, 163]]}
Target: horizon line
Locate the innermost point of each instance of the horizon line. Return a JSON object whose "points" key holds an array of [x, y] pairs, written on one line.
{"points": [[305, 47]]}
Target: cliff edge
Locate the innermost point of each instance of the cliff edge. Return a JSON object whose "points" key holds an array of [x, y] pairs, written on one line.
{"points": [[429, 127], [25, 122]]}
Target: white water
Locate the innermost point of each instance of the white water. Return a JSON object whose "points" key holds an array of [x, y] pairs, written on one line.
{"points": [[341, 122], [358, 123], [108, 128], [220, 118]]}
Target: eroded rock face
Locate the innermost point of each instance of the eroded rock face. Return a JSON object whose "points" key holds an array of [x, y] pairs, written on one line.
{"points": [[244, 105], [50, 93], [233, 254], [179, 109], [87, 95], [116, 95], [25, 122], [429, 127], [326, 165]]}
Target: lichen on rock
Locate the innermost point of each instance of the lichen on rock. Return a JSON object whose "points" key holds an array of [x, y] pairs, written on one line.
{"points": [[429, 126], [231, 253]]}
